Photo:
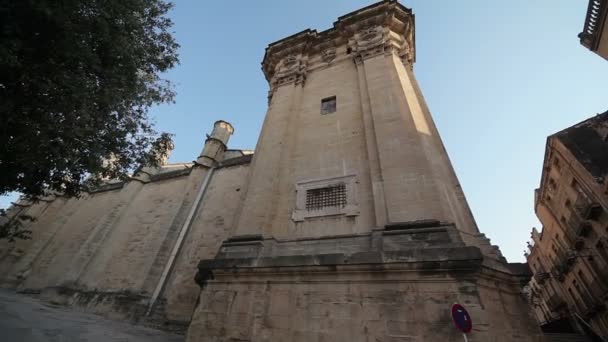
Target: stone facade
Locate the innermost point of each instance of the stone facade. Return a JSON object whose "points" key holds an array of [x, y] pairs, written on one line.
{"points": [[595, 31], [129, 250], [569, 257], [347, 224], [354, 226]]}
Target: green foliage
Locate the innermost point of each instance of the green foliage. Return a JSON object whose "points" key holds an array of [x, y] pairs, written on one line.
{"points": [[77, 79], [13, 228]]}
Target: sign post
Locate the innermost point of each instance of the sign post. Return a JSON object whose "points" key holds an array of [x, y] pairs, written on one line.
{"points": [[462, 320]]}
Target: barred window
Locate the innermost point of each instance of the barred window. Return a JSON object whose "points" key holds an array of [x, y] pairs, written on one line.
{"points": [[330, 196]]}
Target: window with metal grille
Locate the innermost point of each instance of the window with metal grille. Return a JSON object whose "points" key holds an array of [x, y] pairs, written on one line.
{"points": [[328, 105], [330, 196]]}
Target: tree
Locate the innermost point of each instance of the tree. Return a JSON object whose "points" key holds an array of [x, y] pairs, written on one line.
{"points": [[12, 227], [77, 79]]}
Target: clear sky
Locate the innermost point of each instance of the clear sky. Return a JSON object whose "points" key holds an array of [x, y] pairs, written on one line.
{"points": [[498, 76]]}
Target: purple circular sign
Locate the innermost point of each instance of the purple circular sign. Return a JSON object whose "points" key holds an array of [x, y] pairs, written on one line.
{"points": [[461, 318]]}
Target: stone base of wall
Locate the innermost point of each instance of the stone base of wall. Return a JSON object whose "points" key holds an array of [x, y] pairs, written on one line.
{"points": [[122, 305], [390, 285]]}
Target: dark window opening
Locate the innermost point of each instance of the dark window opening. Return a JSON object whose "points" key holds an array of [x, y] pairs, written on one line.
{"points": [[328, 105], [556, 163], [574, 184], [552, 184]]}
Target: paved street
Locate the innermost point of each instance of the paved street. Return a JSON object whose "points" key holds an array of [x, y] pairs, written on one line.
{"points": [[25, 319]]}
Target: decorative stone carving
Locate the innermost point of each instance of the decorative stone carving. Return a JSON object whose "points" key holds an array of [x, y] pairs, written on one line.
{"points": [[369, 42], [407, 57], [377, 40], [369, 34], [328, 55], [290, 69]]}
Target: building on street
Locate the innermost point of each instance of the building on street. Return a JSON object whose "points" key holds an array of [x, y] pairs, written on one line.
{"points": [[569, 256]]}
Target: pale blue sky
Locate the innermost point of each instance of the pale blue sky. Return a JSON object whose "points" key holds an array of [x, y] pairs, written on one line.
{"points": [[498, 76]]}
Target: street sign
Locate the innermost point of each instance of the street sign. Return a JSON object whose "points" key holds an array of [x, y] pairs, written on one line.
{"points": [[461, 318]]}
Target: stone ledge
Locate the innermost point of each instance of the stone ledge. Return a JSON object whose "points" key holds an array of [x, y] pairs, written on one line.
{"points": [[242, 238], [429, 245], [457, 258], [108, 187], [246, 159], [413, 224], [170, 174]]}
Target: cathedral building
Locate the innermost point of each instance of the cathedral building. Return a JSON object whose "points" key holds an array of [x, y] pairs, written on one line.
{"points": [[347, 223]]}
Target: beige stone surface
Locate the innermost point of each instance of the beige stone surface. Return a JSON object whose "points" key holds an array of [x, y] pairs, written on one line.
{"points": [[106, 252], [130, 250], [569, 256], [24, 319], [387, 273], [407, 306], [212, 225]]}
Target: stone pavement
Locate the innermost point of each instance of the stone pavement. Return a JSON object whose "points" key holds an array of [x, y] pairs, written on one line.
{"points": [[25, 319]]}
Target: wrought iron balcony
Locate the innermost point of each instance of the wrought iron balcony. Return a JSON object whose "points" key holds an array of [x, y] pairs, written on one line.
{"points": [[579, 244], [541, 277], [592, 306], [599, 289], [555, 303], [558, 273], [592, 211], [578, 226]]}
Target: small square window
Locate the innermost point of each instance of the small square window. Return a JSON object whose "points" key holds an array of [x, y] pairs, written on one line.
{"points": [[328, 105]]}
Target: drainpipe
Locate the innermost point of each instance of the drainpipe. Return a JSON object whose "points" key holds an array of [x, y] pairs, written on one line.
{"points": [[180, 240], [214, 148]]}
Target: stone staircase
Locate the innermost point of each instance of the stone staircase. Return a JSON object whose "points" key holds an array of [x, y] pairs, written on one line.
{"points": [[564, 337]]}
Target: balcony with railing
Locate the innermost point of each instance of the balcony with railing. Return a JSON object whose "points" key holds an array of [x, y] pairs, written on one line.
{"points": [[592, 305], [563, 264], [579, 225], [599, 289], [541, 277], [555, 303]]}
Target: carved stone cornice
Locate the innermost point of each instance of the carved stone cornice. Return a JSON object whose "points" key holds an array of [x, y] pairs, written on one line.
{"points": [[370, 42], [328, 55], [290, 69], [377, 40], [384, 27]]}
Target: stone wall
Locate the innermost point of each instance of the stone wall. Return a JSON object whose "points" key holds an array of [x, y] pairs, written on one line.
{"points": [[211, 225], [358, 305], [106, 251], [354, 226]]}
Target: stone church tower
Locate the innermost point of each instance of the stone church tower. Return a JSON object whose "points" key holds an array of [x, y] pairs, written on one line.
{"points": [[354, 226], [347, 223]]}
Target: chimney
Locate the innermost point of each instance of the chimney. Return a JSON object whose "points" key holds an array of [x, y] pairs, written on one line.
{"points": [[216, 143]]}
